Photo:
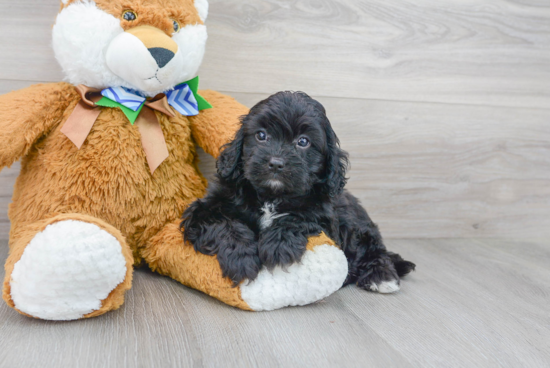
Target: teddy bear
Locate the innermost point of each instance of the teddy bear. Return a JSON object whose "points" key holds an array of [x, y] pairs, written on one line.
{"points": [[109, 164]]}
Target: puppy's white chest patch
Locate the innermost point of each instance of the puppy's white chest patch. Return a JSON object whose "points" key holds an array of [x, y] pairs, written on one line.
{"points": [[270, 215]]}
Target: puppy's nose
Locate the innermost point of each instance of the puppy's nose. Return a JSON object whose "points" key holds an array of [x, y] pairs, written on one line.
{"points": [[161, 55], [276, 164]]}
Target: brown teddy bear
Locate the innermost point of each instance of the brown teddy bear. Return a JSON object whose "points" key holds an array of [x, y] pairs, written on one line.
{"points": [[109, 164]]}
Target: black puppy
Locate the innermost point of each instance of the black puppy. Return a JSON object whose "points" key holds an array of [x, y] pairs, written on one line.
{"points": [[279, 182]]}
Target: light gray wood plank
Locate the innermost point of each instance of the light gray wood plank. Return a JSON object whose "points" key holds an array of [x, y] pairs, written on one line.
{"points": [[26, 44], [492, 52], [460, 52], [207, 164], [4, 230], [465, 306], [7, 181], [4, 202], [534, 251], [7, 85]]}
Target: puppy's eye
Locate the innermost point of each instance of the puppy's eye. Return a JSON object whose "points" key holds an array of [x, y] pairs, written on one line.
{"points": [[261, 136], [129, 15], [303, 142], [176, 26]]}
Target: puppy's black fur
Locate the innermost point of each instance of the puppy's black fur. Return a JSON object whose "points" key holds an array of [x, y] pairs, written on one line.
{"points": [[285, 161]]}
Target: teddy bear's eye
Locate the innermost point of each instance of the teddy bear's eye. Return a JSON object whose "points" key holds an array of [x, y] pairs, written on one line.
{"points": [[176, 26], [129, 15]]}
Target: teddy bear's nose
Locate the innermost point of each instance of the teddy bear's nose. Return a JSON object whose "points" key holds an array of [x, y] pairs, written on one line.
{"points": [[161, 55]]}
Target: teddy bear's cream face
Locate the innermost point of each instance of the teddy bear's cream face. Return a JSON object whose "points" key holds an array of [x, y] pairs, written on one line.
{"points": [[135, 44]]}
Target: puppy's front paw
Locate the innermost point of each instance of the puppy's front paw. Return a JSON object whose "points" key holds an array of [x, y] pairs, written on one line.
{"points": [[281, 248], [238, 266]]}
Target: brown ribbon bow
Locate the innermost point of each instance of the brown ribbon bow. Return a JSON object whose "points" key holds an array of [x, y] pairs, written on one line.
{"points": [[80, 123]]}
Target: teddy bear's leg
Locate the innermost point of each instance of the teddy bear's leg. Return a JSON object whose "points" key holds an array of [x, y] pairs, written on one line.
{"points": [[67, 267], [321, 272]]}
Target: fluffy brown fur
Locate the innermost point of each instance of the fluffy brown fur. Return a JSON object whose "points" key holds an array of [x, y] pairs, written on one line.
{"points": [[108, 179]]}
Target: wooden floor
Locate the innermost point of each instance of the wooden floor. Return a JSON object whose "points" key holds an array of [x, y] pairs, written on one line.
{"points": [[444, 107]]}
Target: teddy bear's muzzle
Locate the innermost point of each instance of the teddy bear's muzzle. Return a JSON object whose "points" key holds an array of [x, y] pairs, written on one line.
{"points": [[145, 57], [161, 47]]}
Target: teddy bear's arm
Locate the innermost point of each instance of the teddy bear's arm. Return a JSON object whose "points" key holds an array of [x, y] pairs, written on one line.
{"points": [[28, 114], [214, 127]]}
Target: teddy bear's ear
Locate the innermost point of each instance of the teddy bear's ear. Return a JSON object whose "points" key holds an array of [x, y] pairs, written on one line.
{"points": [[202, 7], [65, 2]]}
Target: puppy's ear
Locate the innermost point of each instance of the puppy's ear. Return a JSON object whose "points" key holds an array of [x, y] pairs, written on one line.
{"points": [[229, 163], [336, 165]]}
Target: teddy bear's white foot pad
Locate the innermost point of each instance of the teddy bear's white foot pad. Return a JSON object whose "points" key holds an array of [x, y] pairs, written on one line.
{"points": [[321, 272], [66, 271]]}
